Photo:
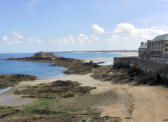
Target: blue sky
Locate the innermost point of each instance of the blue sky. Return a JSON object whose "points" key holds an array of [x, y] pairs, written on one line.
{"points": [[64, 25]]}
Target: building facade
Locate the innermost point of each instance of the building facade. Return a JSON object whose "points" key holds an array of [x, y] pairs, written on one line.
{"points": [[142, 51], [155, 49]]}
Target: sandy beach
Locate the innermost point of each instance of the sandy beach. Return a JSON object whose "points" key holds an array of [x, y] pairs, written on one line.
{"points": [[130, 103], [111, 59], [129, 53], [125, 102], [141, 103], [84, 61]]}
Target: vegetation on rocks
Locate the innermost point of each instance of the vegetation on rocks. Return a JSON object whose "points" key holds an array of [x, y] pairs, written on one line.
{"points": [[74, 109], [11, 80], [61, 89], [7, 111], [81, 68], [54, 107], [132, 75], [140, 77], [108, 73]]}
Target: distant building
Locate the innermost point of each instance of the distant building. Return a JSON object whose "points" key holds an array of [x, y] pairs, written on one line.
{"points": [[155, 49], [142, 51], [43, 55]]}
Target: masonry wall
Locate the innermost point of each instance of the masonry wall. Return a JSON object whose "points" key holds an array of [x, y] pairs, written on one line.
{"points": [[146, 65]]}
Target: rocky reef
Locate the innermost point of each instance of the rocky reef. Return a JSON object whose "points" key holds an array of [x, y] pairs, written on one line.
{"points": [[11, 80], [75, 66], [43, 55], [61, 89], [131, 75], [24, 114]]}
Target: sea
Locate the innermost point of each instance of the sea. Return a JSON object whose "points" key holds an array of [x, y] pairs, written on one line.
{"points": [[44, 70]]}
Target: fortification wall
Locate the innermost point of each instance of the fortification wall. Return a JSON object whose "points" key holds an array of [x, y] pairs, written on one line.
{"points": [[146, 65]]}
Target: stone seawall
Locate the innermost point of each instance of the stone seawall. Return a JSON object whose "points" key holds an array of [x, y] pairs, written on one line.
{"points": [[145, 65]]}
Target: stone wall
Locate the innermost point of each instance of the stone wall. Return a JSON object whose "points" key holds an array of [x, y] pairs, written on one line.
{"points": [[124, 61], [146, 65]]}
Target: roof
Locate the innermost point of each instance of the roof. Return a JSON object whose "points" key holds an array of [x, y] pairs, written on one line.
{"points": [[143, 45], [161, 37]]}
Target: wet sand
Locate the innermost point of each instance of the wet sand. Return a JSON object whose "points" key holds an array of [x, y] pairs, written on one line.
{"points": [[11, 100], [131, 103], [8, 99]]}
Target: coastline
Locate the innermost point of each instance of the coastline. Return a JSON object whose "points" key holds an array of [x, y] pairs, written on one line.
{"points": [[131, 102], [136, 98], [123, 102], [127, 53], [97, 60], [124, 54]]}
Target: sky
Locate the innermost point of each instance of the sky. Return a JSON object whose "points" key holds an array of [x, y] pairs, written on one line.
{"points": [[79, 25]]}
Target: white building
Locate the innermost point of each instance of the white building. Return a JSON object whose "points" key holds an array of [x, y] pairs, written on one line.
{"points": [[155, 49]]}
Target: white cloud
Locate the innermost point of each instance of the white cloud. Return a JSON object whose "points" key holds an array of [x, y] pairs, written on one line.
{"points": [[97, 29], [17, 38], [124, 36], [17, 35], [83, 38], [124, 28], [5, 38], [8, 41], [128, 30]]}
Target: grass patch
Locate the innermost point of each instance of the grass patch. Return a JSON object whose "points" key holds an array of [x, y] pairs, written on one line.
{"points": [[74, 109], [40, 104]]}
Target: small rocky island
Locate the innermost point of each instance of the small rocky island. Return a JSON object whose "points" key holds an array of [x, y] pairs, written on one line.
{"points": [[75, 66]]}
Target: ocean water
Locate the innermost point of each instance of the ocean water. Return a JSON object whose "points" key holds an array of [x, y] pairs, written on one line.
{"points": [[43, 70], [88, 55]]}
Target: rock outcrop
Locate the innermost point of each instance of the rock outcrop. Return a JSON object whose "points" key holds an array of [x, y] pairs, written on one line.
{"points": [[11, 80], [75, 66], [62, 89], [44, 55]]}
